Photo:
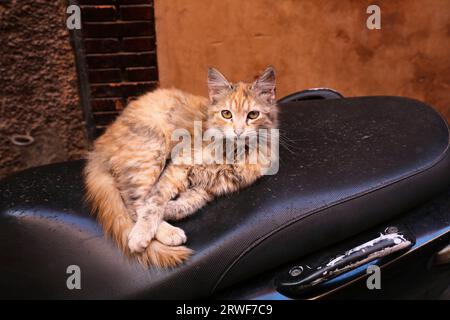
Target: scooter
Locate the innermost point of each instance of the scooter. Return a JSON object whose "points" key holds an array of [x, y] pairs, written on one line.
{"points": [[359, 209]]}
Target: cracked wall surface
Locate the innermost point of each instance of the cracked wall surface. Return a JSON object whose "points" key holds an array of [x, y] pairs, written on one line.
{"points": [[38, 86]]}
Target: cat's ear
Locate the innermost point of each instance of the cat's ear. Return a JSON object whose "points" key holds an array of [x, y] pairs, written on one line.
{"points": [[265, 85], [217, 84]]}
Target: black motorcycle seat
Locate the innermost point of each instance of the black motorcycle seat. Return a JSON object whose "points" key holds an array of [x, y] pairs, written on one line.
{"points": [[347, 165]]}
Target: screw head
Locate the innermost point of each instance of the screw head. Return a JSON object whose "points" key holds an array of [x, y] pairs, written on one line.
{"points": [[296, 271], [391, 230]]}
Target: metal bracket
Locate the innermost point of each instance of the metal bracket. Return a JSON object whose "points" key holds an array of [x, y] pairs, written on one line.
{"points": [[305, 276]]}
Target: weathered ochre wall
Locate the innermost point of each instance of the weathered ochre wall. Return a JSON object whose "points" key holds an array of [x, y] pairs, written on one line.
{"points": [[311, 43]]}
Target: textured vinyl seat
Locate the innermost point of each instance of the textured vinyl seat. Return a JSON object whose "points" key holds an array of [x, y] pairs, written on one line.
{"points": [[351, 164]]}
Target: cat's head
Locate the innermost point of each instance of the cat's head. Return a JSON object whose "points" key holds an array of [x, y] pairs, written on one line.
{"points": [[240, 109]]}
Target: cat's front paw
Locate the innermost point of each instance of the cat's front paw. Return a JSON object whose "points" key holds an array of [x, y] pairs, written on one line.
{"points": [[139, 238], [170, 235], [172, 211]]}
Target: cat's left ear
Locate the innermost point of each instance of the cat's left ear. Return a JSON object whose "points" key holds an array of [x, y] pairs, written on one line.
{"points": [[217, 84], [265, 85]]}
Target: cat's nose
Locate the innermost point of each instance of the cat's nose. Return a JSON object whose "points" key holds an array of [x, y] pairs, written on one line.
{"points": [[238, 131]]}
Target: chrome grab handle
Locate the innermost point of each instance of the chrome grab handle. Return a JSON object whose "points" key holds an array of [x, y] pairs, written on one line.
{"points": [[301, 277]]}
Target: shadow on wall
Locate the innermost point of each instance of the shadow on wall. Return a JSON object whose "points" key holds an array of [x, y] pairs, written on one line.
{"points": [[38, 80], [311, 43]]}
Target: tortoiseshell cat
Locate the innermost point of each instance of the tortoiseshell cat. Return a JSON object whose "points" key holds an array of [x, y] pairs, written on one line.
{"points": [[132, 184]]}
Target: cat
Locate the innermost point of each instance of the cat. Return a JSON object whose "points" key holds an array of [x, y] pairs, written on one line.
{"points": [[133, 184]]}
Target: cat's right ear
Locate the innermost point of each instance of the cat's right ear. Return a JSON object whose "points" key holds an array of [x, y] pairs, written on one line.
{"points": [[217, 84]]}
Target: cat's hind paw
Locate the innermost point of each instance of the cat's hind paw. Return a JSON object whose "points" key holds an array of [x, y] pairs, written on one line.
{"points": [[170, 235]]}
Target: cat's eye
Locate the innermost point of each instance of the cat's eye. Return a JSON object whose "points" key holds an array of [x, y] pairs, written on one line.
{"points": [[226, 114], [253, 115]]}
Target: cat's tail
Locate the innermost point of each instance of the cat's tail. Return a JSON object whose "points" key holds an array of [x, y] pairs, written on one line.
{"points": [[107, 204]]}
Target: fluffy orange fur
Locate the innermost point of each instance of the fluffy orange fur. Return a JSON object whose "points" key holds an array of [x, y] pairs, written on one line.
{"points": [[131, 183]]}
